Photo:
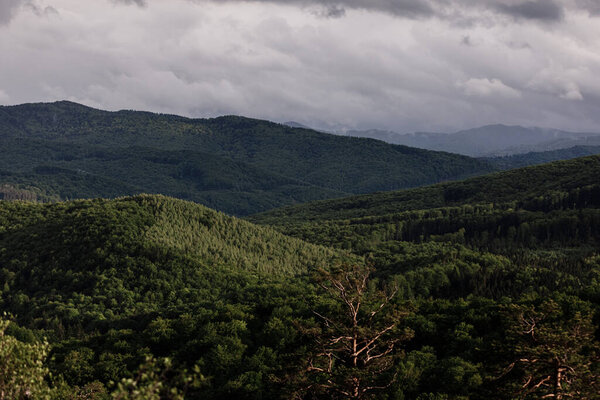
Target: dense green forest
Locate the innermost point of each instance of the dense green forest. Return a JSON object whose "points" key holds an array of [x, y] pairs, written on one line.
{"points": [[110, 282], [541, 157], [63, 150], [498, 188], [481, 247], [487, 288]]}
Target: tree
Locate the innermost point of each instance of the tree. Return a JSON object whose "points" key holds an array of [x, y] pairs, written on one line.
{"points": [[156, 380], [356, 339], [22, 369], [555, 353]]}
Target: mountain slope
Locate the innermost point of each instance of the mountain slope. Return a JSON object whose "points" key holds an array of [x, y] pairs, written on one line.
{"points": [[85, 249], [235, 164], [533, 158], [489, 140], [506, 234], [146, 224], [220, 182], [514, 185], [111, 282]]}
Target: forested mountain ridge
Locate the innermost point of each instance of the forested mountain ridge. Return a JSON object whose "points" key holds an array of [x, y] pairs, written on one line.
{"points": [[149, 225], [524, 243], [547, 215], [238, 165], [541, 157], [92, 275], [67, 171], [500, 187], [236, 307]]}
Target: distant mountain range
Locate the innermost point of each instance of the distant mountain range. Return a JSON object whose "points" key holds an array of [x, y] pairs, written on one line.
{"points": [[64, 150], [489, 140]]}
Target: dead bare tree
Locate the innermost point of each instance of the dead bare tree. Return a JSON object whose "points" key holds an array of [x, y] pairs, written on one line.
{"points": [[357, 339], [556, 356]]}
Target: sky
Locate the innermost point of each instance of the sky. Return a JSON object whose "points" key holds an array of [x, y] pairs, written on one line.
{"points": [[401, 65]]}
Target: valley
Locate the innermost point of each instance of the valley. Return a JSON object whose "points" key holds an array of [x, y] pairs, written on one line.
{"points": [[111, 282]]}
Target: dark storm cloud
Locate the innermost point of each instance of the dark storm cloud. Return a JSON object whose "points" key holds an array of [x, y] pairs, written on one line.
{"points": [[405, 8], [542, 10], [358, 64], [333, 12]]}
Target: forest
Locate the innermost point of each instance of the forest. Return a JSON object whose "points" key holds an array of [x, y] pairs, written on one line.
{"points": [[65, 151], [487, 288]]}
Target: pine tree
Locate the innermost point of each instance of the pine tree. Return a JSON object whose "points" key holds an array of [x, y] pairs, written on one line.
{"points": [[555, 355], [357, 341]]}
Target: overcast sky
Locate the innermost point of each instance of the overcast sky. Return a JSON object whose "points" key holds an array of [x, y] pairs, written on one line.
{"points": [[403, 65]]}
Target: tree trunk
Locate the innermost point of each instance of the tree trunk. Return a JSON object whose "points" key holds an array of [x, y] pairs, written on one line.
{"points": [[557, 379]]}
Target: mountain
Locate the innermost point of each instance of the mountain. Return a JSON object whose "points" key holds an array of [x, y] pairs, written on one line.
{"points": [[501, 187], [527, 233], [293, 124], [235, 164], [100, 279], [489, 140], [240, 309], [152, 228], [533, 158]]}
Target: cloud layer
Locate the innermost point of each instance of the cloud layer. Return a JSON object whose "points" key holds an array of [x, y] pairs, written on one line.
{"points": [[543, 10], [391, 64]]}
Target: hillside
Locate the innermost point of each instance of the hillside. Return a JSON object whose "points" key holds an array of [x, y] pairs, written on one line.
{"points": [[488, 261], [152, 227], [110, 282], [235, 164], [536, 224], [97, 277], [541, 157], [88, 248], [66, 171], [541, 221], [489, 140], [509, 186]]}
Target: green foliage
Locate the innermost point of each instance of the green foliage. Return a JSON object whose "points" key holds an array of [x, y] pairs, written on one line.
{"points": [[151, 382], [113, 283], [554, 350], [465, 252], [501, 188], [22, 367], [238, 165], [533, 158]]}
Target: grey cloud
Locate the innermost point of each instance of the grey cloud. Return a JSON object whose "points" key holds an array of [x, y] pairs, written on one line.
{"points": [[334, 12], [41, 11], [8, 9], [139, 3], [591, 6], [540, 10], [282, 63], [543, 10], [405, 8]]}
